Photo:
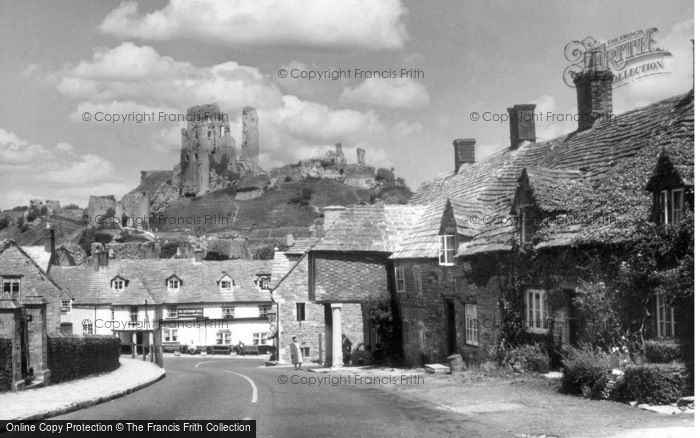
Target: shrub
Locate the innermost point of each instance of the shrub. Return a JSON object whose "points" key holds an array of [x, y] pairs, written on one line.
{"points": [[655, 383], [4, 222], [71, 207], [585, 370], [168, 250], [661, 351], [530, 357]]}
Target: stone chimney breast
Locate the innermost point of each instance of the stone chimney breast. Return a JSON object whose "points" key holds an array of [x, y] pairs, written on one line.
{"points": [[465, 152], [522, 124]]}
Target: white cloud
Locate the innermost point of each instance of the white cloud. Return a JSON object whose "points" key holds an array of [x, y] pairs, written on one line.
{"points": [[314, 24], [391, 93], [37, 171]]}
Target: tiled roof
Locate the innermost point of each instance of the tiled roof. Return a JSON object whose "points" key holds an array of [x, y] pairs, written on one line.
{"points": [[371, 228], [146, 281], [485, 190]]}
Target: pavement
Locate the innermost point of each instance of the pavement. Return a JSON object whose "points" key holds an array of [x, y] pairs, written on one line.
{"points": [[52, 400]]}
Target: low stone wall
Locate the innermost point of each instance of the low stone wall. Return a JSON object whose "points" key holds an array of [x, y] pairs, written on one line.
{"points": [[74, 356], [5, 364]]}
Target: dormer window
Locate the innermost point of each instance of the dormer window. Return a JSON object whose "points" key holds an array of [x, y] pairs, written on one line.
{"points": [[173, 283], [226, 283], [447, 249], [118, 284], [65, 306], [527, 224], [263, 282], [670, 206], [12, 286]]}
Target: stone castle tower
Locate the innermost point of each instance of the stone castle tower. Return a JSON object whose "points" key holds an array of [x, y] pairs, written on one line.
{"points": [[249, 137], [208, 154]]}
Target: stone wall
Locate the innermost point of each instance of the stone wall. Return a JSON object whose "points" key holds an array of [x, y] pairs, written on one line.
{"points": [[136, 210], [72, 357], [99, 206], [5, 364], [133, 250]]}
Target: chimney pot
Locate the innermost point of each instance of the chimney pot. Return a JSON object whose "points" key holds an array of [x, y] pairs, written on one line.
{"points": [[465, 152], [522, 124]]}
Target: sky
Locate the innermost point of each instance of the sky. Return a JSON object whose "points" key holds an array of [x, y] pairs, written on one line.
{"points": [[63, 59]]}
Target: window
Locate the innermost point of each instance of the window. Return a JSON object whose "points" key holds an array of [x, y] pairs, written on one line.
{"points": [[171, 312], [170, 335], [301, 311], [400, 279], [665, 318], [111, 314], [118, 284], [228, 312], [259, 338], [305, 351], [11, 285], [421, 336], [133, 315], [87, 327], [223, 337], [417, 279], [670, 206], [173, 284], [527, 224], [536, 310], [226, 284], [447, 250], [471, 325], [264, 309], [264, 282], [65, 306]]}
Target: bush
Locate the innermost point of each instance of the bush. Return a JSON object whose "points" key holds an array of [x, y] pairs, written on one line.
{"points": [[655, 383], [530, 357], [661, 351], [4, 222], [585, 371]]}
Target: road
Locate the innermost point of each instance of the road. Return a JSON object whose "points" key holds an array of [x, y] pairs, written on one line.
{"points": [[211, 388]]}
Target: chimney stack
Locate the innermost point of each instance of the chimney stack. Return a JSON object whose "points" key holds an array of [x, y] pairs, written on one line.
{"points": [[331, 214], [290, 240], [465, 152], [593, 90], [49, 239], [198, 255], [522, 124]]}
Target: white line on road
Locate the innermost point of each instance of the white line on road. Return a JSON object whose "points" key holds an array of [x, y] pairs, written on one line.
{"points": [[254, 398]]}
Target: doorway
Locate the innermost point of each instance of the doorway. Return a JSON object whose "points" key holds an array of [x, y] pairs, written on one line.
{"points": [[450, 327]]}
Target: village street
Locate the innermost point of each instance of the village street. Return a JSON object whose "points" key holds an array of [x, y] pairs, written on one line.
{"points": [[378, 402], [211, 388]]}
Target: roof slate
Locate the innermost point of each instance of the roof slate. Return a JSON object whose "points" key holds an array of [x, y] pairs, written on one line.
{"points": [[485, 190], [147, 281], [371, 228]]}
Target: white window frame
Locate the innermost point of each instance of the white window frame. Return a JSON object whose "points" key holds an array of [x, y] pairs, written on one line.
{"points": [[173, 284], [536, 316], [133, 315], [266, 307], [111, 313], [223, 337], [171, 312], [228, 312], [88, 328], [11, 281], [65, 308], [400, 279], [676, 209], [471, 324], [527, 220], [665, 315], [663, 204], [417, 279], [224, 282], [118, 284], [446, 256], [170, 334], [260, 338]]}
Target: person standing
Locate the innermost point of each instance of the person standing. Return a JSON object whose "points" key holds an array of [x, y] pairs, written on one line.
{"points": [[347, 350], [295, 352]]}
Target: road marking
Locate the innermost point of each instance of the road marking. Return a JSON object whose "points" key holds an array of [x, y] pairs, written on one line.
{"points": [[254, 398]]}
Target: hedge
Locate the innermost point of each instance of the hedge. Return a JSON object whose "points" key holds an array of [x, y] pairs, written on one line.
{"points": [[661, 351], [655, 383]]}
